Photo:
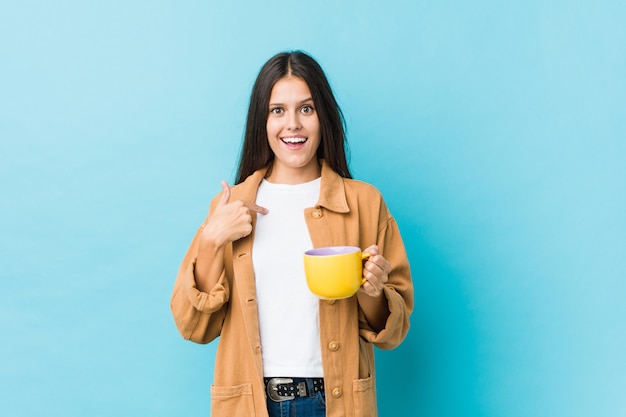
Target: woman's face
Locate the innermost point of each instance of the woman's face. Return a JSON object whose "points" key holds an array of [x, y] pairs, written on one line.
{"points": [[293, 132]]}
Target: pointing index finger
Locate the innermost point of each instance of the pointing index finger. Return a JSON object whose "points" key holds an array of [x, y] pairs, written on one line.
{"points": [[256, 208]]}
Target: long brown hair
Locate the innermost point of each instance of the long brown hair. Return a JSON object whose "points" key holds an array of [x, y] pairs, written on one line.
{"points": [[256, 152]]}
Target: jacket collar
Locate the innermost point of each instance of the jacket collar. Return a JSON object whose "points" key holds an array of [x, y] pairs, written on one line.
{"points": [[332, 189]]}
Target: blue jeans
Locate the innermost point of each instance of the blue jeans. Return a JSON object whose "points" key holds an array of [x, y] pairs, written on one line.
{"points": [[312, 406]]}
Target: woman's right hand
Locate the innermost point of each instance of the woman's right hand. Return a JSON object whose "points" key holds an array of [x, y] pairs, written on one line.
{"points": [[230, 220]]}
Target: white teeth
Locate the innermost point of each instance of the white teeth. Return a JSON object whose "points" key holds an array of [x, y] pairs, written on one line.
{"points": [[294, 140]]}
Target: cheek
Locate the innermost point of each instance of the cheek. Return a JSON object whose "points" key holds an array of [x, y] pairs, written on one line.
{"points": [[272, 128], [315, 130], [314, 126]]}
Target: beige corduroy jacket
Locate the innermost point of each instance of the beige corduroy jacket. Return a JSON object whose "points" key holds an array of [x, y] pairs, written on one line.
{"points": [[349, 212]]}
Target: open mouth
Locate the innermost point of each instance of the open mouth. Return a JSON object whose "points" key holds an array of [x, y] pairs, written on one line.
{"points": [[296, 140]]}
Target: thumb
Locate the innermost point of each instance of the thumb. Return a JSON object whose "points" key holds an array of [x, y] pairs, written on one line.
{"points": [[372, 249], [225, 193]]}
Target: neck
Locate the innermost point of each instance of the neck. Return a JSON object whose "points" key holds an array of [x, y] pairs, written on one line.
{"points": [[279, 174]]}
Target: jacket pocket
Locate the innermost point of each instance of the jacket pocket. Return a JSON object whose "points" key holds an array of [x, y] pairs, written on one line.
{"points": [[232, 401], [364, 397]]}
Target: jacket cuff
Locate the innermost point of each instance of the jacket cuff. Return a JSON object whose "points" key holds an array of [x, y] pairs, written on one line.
{"points": [[205, 302], [396, 326]]}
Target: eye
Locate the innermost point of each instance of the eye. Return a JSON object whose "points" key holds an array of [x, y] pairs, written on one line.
{"points": [[276, 110], [307, 109]]}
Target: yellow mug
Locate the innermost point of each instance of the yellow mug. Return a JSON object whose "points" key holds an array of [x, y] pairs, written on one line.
{"points": [[334, 272]]}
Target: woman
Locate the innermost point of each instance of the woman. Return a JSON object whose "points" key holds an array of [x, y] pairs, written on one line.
{"points": [[282, 351]]}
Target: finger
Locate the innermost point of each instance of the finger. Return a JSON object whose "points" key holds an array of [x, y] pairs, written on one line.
{"points": [[371, 289], [381, 262], [377, 262], [374, 267], [385, 268], [256, 208], [374, 274], [373, 250], [379, 268], [225, 193]]}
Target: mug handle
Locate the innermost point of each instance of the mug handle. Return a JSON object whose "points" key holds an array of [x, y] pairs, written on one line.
{"points": [[364, 256]]}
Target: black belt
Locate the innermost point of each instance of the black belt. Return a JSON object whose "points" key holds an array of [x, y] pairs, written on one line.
{"points": [[285, 389]]}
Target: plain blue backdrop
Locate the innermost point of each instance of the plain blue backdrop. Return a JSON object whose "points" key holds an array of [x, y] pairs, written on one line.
{"points": [[495, 130]]}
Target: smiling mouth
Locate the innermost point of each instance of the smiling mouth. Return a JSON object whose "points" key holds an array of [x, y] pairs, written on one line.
{"points": [[294, 140]]}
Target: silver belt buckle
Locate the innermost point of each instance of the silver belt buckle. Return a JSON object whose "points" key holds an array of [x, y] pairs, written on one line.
{"points": [[272, 389]]}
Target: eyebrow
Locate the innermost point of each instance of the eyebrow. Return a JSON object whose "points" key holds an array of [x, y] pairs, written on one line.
{"points": [[301, 102]]}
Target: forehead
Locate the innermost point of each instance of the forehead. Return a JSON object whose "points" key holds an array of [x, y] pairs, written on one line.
{"points": [[290, 89]]}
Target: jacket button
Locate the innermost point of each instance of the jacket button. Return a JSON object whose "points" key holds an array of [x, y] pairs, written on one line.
{"points": [[337, 392], [317, 214], [334, 346]]}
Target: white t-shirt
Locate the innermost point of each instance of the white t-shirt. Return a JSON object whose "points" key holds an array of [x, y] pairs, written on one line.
{"points": [[288, 311]]}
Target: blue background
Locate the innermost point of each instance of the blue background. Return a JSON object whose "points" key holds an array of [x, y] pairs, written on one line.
{"points": [[495, 130]]}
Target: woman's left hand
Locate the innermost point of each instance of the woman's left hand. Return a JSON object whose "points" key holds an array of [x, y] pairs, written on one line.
{"points": [[376, 270]]}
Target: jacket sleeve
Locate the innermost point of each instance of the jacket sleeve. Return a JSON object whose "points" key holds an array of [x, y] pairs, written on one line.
{"points": [[398, 290], [198, 315]]}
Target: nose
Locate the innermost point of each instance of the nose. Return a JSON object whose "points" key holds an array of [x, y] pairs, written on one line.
{"points": [[293, 122]]}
